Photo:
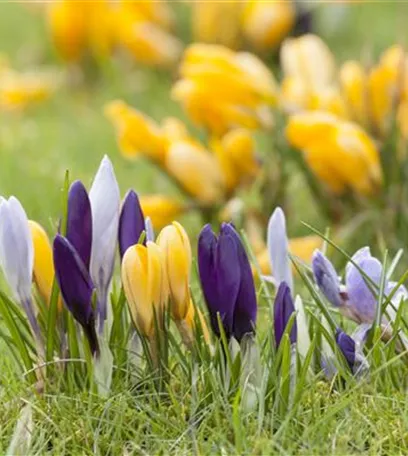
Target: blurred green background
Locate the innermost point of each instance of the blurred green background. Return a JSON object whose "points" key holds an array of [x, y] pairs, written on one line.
{"points": [[70, 131]]}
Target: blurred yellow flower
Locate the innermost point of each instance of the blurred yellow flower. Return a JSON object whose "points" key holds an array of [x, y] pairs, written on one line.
{"points": [[20, 90], [265, 24], [339, 153], [236, 154], [96, 27], [353, 83], [196, 170], [221, 89], [144, 284], [176, 248], [137, 134], [161, 209]]}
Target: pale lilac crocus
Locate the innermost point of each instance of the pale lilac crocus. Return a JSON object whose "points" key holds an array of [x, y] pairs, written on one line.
{"points": [[17, 256], [105, 203]]}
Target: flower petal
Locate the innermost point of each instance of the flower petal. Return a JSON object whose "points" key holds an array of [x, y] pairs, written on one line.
{"points": [[347, 347], [326, 278], [16, 248], [131, 222], [105, 203], [79, 221], [74, 281], [278, 248], [283, 310]]}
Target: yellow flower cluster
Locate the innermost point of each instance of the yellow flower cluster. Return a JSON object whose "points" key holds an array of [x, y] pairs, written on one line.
{"points": [[262, 24], [340, 153], [208, 175], [159, 273], [368, 96], [97, 27], [18, 90], [221, 89]]}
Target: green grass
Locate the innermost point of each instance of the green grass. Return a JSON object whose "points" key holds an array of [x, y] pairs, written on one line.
{"points": [[70, 132]]}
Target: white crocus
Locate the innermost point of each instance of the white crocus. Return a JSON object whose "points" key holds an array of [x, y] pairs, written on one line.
{"points": [[105, 204], [17, 255], [278, 248], [303, 342]]}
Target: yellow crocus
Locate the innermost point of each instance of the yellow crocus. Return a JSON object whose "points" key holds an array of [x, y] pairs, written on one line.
{"points": [[196, 170], [217, 22], [237, 156], [68, 25], [137, 134], [300, 247], [353, 83], [188, 328], [309, 59], [144, 285], [339, 153], [161, 209], [265, 24], [147, 41], [221, 89], [176, 248], [43, 272]]}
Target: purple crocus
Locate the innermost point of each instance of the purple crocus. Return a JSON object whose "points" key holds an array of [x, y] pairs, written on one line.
{"points": [[347, 346], [79, 221], [131, 222], [227, 282], [283, 310], [76, 287], [356, 299]]}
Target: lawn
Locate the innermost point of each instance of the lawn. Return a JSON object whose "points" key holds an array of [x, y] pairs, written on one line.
{"points": [[71, 132]]}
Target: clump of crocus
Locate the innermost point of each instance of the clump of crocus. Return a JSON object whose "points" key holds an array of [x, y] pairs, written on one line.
{"points": [[340, 154], [226, 281], [96, 28], [208, 176], [221, 90], [262, 24]]}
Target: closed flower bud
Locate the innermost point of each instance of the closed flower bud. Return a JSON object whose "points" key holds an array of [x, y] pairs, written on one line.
{"points": [[176, 248], [283, 310], [227, 282], [43, 272], [144, 284], [131, 222], [347, 346], [353, 83]]}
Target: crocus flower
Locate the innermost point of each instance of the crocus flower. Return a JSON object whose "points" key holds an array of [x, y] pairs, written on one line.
{"points": [[43, 262], [222, 90], [145, 286], [283, 310], [356, 299], [131, 222], [105, 203], [227, 282], [17, 256], [149, 229], [161, 209], [176, 248], [79, 221], [76, 287]]}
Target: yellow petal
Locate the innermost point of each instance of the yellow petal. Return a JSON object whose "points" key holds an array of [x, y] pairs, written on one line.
{"points": [[43, 261], [353, 81], [161, 209], [196, 170]]}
